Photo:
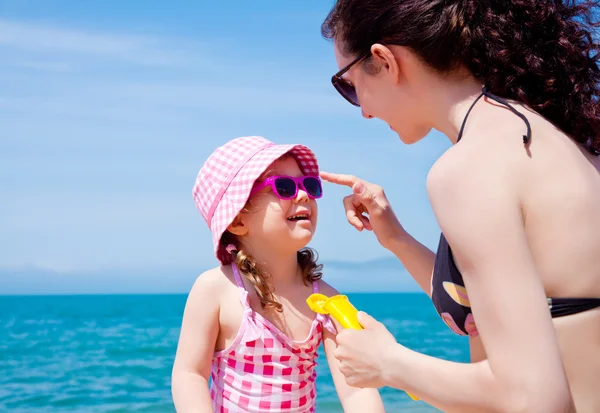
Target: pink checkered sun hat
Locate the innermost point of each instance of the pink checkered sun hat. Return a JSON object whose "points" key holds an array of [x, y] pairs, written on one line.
{"points": [[225, 180]]}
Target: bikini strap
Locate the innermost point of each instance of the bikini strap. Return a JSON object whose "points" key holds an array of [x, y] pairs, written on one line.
{"points": [[242, 288], [486, 93], [464, 122], [237, 276], [325, 320]]}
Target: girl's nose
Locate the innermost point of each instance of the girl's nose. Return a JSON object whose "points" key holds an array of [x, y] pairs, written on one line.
{"points": [[302, 196]]}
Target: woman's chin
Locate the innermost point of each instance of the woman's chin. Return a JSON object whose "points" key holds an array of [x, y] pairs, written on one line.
{"points": [[409, 138]]}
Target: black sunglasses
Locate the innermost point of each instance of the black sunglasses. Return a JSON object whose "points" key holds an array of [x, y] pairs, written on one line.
{"points": [[345, 88]]}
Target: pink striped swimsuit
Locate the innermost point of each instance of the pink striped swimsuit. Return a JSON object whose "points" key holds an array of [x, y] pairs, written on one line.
{"points": [[263, 370]]}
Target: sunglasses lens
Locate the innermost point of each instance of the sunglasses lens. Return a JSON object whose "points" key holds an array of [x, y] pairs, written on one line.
{"points": [[347, 91], [313, 187], [286, 188]]}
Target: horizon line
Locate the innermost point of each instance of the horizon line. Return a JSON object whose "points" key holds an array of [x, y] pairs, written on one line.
{"points": [[177, 293]]}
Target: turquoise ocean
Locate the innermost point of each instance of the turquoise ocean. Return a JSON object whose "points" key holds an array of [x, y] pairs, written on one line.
{"points": [[114, 353]]}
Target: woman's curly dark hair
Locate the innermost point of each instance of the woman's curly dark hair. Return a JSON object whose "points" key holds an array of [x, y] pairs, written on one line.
{"points": [[542, 53]]}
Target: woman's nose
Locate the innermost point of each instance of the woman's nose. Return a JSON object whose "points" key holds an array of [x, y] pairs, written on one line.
{"points": [[365, 114]]}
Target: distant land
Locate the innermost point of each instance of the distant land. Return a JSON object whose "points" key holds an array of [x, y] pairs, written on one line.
{"points": [[380, 275]]}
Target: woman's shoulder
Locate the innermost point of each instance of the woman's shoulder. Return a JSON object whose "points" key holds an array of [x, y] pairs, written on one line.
{"points": [[492, 151], [468, 177]]}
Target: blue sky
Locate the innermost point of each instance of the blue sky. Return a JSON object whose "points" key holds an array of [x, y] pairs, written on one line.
{"points": [[108, 109]]}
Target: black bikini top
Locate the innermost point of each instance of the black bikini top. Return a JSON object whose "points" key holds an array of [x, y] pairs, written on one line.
{"points": [[449, 294]]}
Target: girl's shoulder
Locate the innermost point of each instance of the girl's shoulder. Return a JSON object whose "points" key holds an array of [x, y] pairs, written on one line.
{"points": [[214, 283], [326, 289]]}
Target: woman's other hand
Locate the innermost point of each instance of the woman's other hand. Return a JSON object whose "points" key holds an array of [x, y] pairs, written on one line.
{"points": [[362, 353]]}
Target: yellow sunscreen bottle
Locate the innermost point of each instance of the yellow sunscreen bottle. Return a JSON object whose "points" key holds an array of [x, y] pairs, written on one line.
{"points": [[341, 309]]}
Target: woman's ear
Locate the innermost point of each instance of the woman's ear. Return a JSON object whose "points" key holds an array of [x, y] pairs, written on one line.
{"points": [[237, 227], [386, 59]]}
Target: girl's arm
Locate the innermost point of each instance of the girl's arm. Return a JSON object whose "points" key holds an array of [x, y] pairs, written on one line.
{"points": [[353, 399], [199, 330]]}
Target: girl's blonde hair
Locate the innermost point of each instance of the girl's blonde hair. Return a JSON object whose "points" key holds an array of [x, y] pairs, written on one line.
{"points": [[247, 265]]}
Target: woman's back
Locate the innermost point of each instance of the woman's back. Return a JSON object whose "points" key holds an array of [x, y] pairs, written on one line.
{"points": [[563, 225], [558, 183]]}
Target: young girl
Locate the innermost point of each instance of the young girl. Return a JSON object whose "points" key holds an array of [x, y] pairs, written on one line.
{"points": [[246, 324]]}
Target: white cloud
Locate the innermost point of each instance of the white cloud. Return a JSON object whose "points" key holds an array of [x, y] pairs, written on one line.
{"points": [[43, 38], [38, 65], [89, 75]]}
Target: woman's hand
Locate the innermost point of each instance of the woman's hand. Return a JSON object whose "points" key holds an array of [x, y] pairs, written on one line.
{"points": [[362, 353], [369, 199]]}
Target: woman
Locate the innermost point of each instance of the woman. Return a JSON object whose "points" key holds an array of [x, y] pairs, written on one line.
{"points": [[514, 85]]}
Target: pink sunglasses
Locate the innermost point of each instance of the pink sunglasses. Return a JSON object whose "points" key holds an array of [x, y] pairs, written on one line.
{"points": [[286, 187]]}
